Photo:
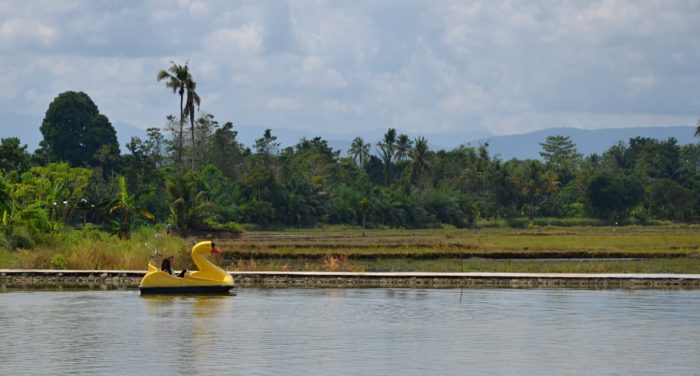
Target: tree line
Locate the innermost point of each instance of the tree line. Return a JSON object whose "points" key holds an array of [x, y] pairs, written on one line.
{"points": [[193, 173]]}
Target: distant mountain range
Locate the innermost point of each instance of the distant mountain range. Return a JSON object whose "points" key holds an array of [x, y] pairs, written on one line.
{"points": [[588, 141], [521, 146]]}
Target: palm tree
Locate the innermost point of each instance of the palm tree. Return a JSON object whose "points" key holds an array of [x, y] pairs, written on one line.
{"points": [[177, 77], [386, 148], [192, 100], [359, 151], [404, 145], [187, 205], [534, 182], [125, 204], [419, 163]]}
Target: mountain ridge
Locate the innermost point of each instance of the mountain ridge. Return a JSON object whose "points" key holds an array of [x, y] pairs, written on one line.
{"points": [[521, 146]]}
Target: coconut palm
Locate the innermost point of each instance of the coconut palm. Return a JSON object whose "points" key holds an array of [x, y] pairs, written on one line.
{"points": [[419, 163], [192, 100], [404, 145], [359, 151], [534, 181], [177, 78], [387, 148]]}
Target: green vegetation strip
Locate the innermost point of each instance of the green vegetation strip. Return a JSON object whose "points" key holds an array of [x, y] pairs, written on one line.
{"points": [[584, 242], [632, 249]]}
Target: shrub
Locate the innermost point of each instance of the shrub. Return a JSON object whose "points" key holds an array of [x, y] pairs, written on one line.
{"points": [[59, 261]]}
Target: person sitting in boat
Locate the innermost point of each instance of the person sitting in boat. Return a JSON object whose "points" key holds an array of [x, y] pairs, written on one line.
{"points": [[167, 266]]}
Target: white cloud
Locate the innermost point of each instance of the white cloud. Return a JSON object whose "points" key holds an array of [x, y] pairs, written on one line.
{"points": [[314, 73], [641, 83], [246, 39], [333, 105], [283, 103], [19, 31], [452, 66]]}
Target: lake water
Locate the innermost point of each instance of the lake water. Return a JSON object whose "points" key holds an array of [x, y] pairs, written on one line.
{"points": [[352, 332]]}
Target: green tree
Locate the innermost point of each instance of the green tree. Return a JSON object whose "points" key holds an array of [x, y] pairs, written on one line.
{"points": [[226, 152], [57, 187], [187, 203], [656, 159], [359, 151], [267, 146], [534, 183], [74, 131], [404, 146], [669, 200], [15, 212], [387, 148], [13, 156], [560, 156], [419, 164], [205, 127], [611, 196]]}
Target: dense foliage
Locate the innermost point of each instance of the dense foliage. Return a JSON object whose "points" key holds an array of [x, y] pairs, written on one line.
{"points": [[203, 177]]}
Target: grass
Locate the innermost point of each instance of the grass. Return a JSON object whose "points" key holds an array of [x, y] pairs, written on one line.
{"points": [[657, 249], [632, 241], [93, 249], [675, 265]]}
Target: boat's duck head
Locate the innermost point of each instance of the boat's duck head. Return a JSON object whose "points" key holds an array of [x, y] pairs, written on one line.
{"points": [[204, 248]]}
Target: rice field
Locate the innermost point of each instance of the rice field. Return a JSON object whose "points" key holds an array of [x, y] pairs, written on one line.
{"points": [[632, 249]]}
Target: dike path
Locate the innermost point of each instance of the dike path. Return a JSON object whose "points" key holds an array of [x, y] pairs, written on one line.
{"points": [[129, 279]]}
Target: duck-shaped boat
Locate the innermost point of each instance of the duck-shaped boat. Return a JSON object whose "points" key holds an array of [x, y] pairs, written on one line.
{"points": [[208, 279]]}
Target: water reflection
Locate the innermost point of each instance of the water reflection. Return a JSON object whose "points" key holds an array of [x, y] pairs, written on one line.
{"points": [[352, 332], [191, 325]]}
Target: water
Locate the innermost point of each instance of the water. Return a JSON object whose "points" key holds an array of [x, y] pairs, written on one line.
{"points": [[352, 332]]}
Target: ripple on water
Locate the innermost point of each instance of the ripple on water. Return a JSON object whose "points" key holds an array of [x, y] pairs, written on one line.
{"points": [[352, 332]]}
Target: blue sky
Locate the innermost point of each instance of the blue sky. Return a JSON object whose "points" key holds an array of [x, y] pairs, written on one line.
{"points": [[344, 67]]}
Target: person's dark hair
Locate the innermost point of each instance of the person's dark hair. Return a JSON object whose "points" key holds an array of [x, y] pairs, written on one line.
{"points": [[165, 265]]}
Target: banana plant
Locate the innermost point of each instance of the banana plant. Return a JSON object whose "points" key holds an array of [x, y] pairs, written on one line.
{"points": [[14, 214]]}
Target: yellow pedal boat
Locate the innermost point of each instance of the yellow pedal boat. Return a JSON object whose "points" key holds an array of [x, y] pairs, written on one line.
{"points": [[210, 279]]}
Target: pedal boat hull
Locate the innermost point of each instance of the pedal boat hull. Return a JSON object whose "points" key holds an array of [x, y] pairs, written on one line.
{"points": [[209, 279]]}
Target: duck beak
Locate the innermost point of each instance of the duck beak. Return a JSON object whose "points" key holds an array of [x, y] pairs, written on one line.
{"points": [[216, 251]]}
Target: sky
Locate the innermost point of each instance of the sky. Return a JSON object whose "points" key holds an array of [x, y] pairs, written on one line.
{"points": [[343, 67]]}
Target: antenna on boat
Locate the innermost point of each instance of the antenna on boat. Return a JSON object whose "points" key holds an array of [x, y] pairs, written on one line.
{"points": [[154, 249]]}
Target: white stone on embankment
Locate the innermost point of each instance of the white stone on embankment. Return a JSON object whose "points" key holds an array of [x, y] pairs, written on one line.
{"points": [[130, 279]]}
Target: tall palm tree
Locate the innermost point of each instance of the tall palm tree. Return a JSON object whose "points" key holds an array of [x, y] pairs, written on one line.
{"points": [[359, 151], [176, 79], [404, 145], [419, 163], [192, 100], [387, 148]]}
